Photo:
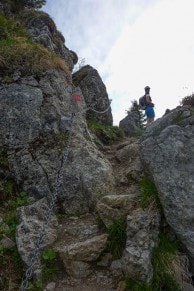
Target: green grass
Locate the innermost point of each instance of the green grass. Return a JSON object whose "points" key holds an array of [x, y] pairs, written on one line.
{"points": [[18, 52], [10, 261], [27, 57], [117, 237], [164, 277], [178, 118], [136, 286], [162, 258], [106, 133], [148, 193], [4, 161], [10, 268], [10, 28], [10, 208], [49, 269]]}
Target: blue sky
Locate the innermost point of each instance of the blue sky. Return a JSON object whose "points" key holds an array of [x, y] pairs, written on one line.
{"points": [[132, 43]]}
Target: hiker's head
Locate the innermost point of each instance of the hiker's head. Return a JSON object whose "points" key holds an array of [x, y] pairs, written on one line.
{"points": [[147, 89]]}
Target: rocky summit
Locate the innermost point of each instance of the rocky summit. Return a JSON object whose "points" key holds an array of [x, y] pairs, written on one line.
{"points": [[85, 205]]}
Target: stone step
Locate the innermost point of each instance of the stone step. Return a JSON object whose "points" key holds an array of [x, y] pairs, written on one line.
{"points": [[79, 244]]}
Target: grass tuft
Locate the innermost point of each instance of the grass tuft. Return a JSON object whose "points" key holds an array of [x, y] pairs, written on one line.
{"points": [[117, 237], [167, 270], [29, 58], [106, 133], [18, 52], [163, 255], [148, 194]]}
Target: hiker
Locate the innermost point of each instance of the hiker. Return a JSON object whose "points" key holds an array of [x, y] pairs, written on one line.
{"points": [[147, 105]]}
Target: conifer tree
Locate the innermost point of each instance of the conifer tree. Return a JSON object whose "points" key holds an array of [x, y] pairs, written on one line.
{"points": [[22, 4], [140, 114]]}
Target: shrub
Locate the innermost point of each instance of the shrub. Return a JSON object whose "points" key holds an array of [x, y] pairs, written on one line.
{"points": [[141, 117], [188, 100], [10, 28], [49, 260], [18, 5]]}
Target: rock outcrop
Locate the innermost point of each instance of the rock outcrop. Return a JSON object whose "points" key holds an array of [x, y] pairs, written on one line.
{"points": [[42, 29], [95, 94], [129, 124], [167, 150]]}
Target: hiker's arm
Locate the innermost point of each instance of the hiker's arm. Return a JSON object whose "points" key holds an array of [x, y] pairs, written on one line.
{"points": [[148, 99]]}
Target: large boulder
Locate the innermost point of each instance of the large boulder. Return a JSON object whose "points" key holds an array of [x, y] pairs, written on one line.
{"points": [[95, 94], [130, 124], [167, 151]]}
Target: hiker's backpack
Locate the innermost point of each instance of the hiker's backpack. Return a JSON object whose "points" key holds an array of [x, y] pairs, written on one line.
{"points": [[142, 102]]}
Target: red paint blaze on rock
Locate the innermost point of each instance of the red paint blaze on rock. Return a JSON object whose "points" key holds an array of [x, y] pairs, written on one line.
{"points": [[76, 97]]}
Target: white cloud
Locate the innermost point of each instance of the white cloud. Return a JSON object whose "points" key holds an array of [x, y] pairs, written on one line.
{"points": [[157, 50], [138, 43]]}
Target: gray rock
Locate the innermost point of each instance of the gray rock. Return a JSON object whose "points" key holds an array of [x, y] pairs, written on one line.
{"points": [[80, 242], [87, 250], [105, 260], [117, 268], [95, 94], [7, 243], [128, 156], [167, 151], [113, 207], [50, 287], [36, 119], [77, 269], [142, 235], [42, 29], [31, 222], [129, 124]]}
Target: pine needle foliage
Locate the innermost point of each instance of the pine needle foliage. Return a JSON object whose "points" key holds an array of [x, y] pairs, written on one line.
{"points": [[188, 100], [141, 118]]}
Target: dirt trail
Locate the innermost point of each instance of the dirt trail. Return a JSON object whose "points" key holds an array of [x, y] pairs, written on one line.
{"points": [[101, 279]]}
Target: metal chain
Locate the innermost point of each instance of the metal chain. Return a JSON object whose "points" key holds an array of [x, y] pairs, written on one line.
{"points": [[100, 112], [35, 253], [74, 88]]}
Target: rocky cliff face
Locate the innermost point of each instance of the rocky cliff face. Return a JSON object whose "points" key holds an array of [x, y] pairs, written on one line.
{"points": [[84, 195], [167, 151]]}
